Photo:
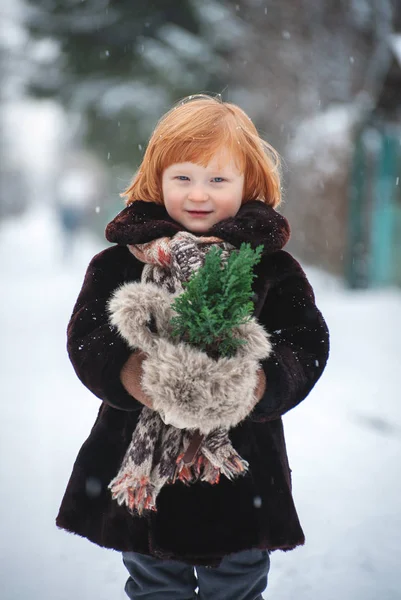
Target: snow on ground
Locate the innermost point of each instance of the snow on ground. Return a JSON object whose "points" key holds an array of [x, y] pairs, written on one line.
{"points": [[344, 441]]}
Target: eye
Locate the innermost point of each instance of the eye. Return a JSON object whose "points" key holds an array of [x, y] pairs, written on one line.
{"points": [[182, 178], [218, 179]]}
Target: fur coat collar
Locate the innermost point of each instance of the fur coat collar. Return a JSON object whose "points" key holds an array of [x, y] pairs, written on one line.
{"points": [[255, 223]]}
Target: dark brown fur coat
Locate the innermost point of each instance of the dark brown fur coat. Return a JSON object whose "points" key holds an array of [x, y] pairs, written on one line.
{"points": [[198, 523]]}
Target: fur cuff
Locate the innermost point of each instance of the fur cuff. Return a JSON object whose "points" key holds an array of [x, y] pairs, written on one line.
{"points": [[138, 308], [189, 389]]}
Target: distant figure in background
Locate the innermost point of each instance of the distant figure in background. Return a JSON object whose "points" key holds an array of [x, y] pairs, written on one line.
{"points": [[77, 194]]}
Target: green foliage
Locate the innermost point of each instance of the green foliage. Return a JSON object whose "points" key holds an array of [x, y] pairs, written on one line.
{"points": [[216, 300], [121, 64]]}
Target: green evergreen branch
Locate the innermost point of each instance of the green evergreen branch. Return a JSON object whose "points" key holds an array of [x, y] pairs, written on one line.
{"points": [[216, 300]]}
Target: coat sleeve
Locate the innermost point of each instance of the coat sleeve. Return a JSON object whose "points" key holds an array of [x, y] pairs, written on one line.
{"points": [[96, 350], [300, 340]]}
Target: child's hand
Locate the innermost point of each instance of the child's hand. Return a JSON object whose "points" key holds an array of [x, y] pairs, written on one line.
{"points": [[131, 375]]}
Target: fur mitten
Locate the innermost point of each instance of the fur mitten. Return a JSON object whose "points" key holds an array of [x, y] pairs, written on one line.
{"points": [[189, 389]]}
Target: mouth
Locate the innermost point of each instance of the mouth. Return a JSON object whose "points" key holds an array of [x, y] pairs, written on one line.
{"points": [[199, 213]]}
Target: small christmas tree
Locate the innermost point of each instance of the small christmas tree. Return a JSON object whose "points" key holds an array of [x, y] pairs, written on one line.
{"points": [[216, 300]]}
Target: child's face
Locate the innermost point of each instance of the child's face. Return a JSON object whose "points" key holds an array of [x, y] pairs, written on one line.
{"points": [[198, 197]]}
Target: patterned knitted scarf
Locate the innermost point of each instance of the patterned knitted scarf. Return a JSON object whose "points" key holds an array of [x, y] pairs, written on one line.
{"points": [[161, 454]]}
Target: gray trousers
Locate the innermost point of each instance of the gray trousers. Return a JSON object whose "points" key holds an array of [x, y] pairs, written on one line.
{"points": [[240, 576]]}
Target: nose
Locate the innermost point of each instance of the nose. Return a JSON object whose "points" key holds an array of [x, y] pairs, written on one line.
{"points": [[198, 194]]}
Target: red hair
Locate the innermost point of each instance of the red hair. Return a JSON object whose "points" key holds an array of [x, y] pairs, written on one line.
{"points": [[193, 131]]}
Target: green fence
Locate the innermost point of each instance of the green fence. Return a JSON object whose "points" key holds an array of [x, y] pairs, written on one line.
{"points": [[374, 225]]}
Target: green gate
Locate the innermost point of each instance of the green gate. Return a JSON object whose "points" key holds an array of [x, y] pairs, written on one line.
{"points": [[374, 225]]}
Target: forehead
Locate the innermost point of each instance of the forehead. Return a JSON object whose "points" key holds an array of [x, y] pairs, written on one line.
{"points": [[221, 161]]}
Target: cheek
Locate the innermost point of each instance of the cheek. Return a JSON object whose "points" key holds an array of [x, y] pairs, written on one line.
{"points": [[172, 201], [173, 196], [167, 191], [165, 187]]}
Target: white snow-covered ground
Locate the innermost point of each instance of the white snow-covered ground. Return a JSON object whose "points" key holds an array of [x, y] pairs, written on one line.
{"points": [[344, 441]]}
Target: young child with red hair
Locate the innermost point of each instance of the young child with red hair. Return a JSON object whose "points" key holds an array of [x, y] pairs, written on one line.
{"points": [[186, 466]]}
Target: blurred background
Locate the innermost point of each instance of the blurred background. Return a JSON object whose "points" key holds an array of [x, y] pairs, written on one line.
{"points": [[82, 84]]}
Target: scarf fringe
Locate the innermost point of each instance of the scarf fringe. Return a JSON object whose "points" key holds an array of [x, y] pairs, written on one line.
{"points": [[231, 465], [201, 469], [139, 495]]}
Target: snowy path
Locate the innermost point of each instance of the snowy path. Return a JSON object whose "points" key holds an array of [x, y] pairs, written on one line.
{"points": [[344, 442]]}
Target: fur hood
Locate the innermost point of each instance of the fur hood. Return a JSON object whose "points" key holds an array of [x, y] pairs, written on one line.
{"points": [[255, 223]]}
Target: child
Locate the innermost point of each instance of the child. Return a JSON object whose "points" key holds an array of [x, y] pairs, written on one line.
{"points": [[207, 179]]}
